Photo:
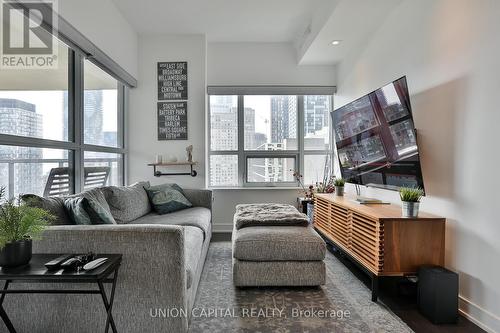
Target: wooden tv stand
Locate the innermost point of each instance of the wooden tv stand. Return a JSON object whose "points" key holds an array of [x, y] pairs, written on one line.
{"points": [[378, 238]]}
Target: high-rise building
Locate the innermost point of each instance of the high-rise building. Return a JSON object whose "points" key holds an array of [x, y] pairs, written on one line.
{"points": [[224, 136], [283, 118], [316, 113], [224, 123], [249, 125], [20, 118], [93, 118]]}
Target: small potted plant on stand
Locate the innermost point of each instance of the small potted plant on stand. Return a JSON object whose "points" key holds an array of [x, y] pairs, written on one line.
{"points": [[339, 186], [19, 224], [410, 196]]}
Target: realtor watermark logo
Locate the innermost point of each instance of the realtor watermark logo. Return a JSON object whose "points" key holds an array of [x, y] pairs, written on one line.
{"points": [[28, 35]]}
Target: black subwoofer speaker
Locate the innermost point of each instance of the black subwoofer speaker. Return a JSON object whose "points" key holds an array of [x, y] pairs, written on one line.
{"points": [[438, 294]]}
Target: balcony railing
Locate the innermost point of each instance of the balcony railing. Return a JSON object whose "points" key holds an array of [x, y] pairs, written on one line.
{"points": [[11, 163]]}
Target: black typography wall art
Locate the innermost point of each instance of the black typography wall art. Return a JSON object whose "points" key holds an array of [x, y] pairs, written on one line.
{"points": [[172, 121], [172, 81]]}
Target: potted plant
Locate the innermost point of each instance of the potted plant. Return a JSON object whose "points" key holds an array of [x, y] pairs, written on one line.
{"points": [[410, 196], [19, 224], [339, 186]]}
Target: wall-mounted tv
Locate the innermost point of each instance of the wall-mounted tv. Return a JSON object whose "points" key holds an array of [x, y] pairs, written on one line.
{"points": [[376, 139]]}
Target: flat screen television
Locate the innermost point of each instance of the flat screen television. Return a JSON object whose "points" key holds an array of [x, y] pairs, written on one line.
{"points": [[376, 139]]}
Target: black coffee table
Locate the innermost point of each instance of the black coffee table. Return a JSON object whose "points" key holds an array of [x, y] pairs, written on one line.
{"points": [[35, 272]]}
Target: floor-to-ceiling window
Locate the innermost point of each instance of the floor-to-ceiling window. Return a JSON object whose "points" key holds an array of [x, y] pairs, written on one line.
{"points": [[66, 119]]}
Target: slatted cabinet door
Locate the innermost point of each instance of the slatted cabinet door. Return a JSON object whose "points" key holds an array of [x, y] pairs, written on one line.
{"points": [[340, 225], [321, 216], [367, 241]]}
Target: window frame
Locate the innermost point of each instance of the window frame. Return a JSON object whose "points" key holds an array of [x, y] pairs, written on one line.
{"points": [[75, 144], [244, 155]]}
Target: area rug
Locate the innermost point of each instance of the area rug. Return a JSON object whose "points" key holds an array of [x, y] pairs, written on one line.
{"points": [[343, 304]]}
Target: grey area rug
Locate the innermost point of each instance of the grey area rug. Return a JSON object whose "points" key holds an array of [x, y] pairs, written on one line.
{"points": [[343, 304]]}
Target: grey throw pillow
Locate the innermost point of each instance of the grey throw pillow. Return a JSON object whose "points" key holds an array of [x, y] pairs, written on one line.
{"points": [[167, 198], [54, 206], [127, 203]]}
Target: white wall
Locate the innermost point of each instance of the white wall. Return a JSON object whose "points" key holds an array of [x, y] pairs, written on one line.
{"points": [[103, 24], [450, 51], [257, 64], [262, 64], [143, 143]]}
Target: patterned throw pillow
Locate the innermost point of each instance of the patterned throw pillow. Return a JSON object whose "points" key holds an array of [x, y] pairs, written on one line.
{"points": [[167, 198]]}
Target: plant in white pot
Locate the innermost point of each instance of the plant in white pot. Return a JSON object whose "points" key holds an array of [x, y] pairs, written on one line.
{"points": [[410, 196], [339, 186], [19, 224]]}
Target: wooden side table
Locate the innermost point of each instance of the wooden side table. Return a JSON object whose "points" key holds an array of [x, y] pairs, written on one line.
{"points": [[36, 272]]}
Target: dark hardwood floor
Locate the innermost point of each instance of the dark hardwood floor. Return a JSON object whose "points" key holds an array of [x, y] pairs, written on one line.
{"points": [[399, 295]]}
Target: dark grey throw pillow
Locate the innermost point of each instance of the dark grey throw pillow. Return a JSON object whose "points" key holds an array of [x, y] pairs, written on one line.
{"points": [[167, 198], [75, 206], [54, 206], [97, 207], [89, 207]]}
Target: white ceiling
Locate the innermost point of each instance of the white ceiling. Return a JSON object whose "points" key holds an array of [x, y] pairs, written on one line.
{"points": [[221, 20], [352, 22], [310, 25]]}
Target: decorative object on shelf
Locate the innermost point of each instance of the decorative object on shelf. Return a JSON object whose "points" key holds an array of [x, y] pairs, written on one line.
{"points": [[410, 196], [309, 192], [189, 152], [172, 121], [339, 186], [158, 159], [171, 159], [172, 81], [19, 224], [157, 173]]}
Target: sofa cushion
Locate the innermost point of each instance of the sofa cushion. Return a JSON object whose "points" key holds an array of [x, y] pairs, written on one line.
{"points": [[193, 243], [54, 206], [278, 244], [197, 217], [97, 207], [127, 203], [75, 206], [167, 198]]}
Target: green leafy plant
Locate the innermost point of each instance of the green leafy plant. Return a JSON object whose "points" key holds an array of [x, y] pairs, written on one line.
{"points": [[339, 182], [411, 194], [19, 221]]}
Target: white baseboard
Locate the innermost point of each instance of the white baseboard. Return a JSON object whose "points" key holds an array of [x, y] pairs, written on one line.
{"points": [[481, 317]]}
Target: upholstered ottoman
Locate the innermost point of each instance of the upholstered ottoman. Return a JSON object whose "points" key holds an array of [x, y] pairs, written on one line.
{"points": [[276, 252]]}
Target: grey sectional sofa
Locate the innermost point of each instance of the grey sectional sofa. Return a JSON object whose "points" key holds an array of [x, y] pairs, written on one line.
{"points": [[163, 257]]}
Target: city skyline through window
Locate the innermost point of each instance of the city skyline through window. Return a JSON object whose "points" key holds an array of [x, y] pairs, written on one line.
{"points": [[270, 135], [35, 105]]}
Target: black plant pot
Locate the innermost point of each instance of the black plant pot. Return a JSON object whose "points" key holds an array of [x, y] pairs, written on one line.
{"points": [[16, 253]]}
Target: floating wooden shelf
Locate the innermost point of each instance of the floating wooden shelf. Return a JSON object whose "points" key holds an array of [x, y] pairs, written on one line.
{"points": [[157, 173]]}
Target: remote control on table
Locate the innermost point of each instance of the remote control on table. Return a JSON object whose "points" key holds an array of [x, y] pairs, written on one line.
{"points": [[56, 263]]}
